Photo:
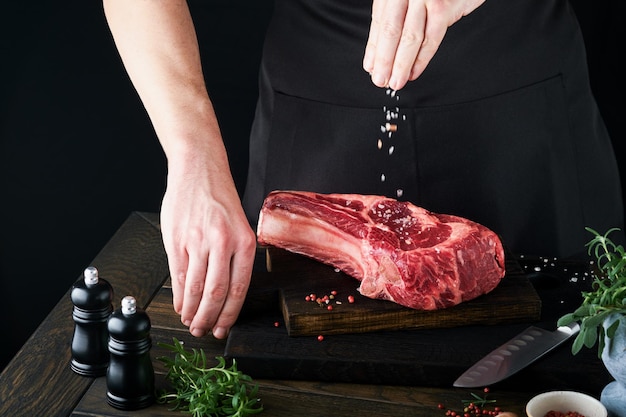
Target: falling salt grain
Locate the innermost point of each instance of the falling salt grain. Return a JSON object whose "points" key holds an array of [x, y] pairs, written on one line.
{"points": [[380, 144], [399, 192], [391, 148], [382, 177]]}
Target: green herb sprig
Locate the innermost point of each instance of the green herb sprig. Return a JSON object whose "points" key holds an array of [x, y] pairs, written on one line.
{"points": [[207, 391], [478, 400], [475, 406], [608, 294]]}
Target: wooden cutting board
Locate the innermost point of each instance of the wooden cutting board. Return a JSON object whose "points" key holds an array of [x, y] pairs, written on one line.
{"points": [[514, 300], [426, 356]]}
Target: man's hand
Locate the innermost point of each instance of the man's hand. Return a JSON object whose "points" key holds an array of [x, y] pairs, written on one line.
{"points": [[209, 243], [405, 34]]}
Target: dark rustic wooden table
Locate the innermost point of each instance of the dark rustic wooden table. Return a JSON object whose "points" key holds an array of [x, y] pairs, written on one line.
{"points": [[39, 381]]}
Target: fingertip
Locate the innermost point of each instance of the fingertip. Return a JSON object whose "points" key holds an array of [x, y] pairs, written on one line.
{"points": [[198, 332], [396, 84], [177, 307], [220, 332], [366, 64], [379, 80]]}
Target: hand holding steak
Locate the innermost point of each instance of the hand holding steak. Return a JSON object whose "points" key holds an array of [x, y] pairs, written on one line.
{"points": [[399, 252]]}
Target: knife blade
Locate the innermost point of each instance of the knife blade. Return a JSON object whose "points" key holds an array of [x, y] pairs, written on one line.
{"points": [[514, 355]]}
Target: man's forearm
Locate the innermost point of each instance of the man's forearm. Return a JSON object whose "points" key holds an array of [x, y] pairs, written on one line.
{"points": [[157, 42]]}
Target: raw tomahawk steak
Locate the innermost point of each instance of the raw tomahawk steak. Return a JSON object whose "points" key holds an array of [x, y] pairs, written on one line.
{"points": [[399, 252]]}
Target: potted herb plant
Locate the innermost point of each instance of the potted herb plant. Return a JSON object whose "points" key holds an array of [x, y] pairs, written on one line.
{"points": [[602, 316]]}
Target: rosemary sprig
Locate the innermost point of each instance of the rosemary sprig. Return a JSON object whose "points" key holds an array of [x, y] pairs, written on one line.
{"points": [[478, 400], [207, 391], [607, 296]]}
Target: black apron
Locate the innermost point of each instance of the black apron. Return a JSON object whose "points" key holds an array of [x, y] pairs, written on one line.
{"points": [[501, 128]]}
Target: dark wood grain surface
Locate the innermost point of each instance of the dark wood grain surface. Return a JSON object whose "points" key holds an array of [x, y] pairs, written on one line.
{"points": [[39, 382]]}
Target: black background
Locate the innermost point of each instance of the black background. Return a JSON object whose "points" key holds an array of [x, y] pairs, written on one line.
{"points": [[78, 152]]}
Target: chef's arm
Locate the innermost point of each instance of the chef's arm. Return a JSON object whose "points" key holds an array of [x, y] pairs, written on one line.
{"points": [[158, 45], [201, 212]]}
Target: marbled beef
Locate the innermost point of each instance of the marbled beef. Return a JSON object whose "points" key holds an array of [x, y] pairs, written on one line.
{"points": [[399, 252]]}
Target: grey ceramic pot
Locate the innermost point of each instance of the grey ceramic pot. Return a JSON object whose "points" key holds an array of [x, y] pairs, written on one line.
{"points": [[614, 357]]}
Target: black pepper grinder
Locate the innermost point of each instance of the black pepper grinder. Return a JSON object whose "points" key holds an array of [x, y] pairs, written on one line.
{"points": [[92, 298], [130, 376]]}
